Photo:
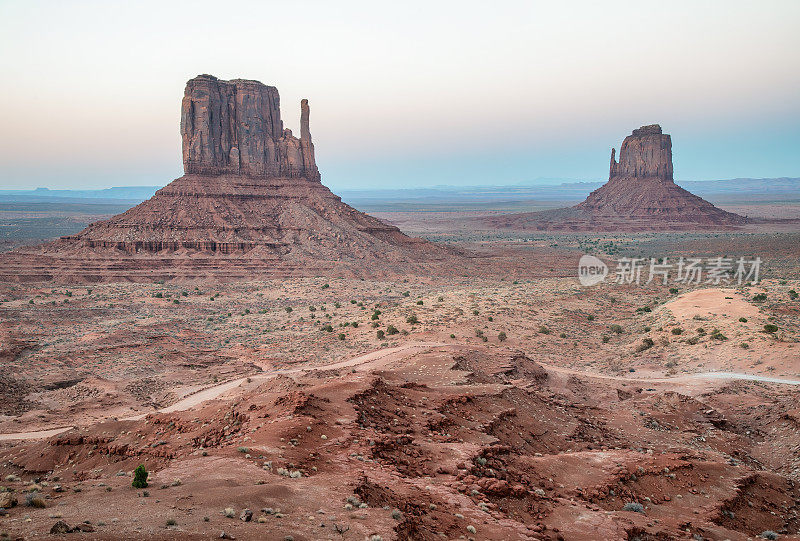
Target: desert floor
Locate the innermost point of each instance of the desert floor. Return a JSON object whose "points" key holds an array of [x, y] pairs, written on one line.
{"points": [[424, 407]]}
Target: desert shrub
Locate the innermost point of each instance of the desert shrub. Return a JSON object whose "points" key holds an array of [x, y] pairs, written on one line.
{"points": [[139, 477], [716, 334], [325, 286], [341, 336], [606, 339], [243, 450], [171, 522], [793, 294], [380, 334], [701, 331], [502, 336], [391, 330], [636, 507], [354, 324], [412, 319], [478, 333], [744, 345], [647, 329], [692, 340], [647, 343], [312, 308], [644, 309], [34, 499], [420, 303], [673, 290], [562, 335], [590, 317], [770, 328], [616, 329], [327, 328], [677, 330], [759, 297], [440, 299], [475, 312], [288, 309], [406, 293], [544, 330], [742, 320]]}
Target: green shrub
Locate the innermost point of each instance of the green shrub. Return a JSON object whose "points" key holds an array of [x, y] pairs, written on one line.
{"points": [[616, 329], [380, 334], [420, 303], [673, 290], [793, 294], [391, 330], [406, 293], [341, 336], [606, 339], [677, 330], [412, 319], [288, 309], [770, 328], [647, 343], [502, 336], [139, 477], [452, 335], [743, 320], [544, 330], [590, 317], [327, 328], [760, 297]]}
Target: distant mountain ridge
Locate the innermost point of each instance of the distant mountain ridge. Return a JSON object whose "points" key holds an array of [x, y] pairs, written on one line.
{"points": [[781, 186]]}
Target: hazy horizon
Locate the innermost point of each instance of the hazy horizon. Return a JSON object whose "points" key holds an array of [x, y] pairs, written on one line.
{"points": [[419, 95]]}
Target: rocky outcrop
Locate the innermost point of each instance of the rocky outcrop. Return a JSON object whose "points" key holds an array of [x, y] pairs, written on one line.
{"points": [[250, 204], [640, 195], [646, 153], [235, 127]]}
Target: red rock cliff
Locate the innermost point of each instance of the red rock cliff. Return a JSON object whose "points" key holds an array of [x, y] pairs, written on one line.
{"points": [[235, 127]]}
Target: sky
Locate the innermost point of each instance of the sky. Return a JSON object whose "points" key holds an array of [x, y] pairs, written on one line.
{"points": [[406, 94]]}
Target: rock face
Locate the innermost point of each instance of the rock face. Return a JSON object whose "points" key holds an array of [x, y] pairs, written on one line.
{"points": [[251, 200], [640, 195], [235, 127]]}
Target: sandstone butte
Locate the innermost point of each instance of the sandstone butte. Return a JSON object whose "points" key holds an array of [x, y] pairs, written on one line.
{"points": [[250, 204], [640, 195]]}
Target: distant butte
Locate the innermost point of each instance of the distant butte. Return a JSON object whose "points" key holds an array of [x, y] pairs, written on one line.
{"points": [[251, 204], [640, 195]]}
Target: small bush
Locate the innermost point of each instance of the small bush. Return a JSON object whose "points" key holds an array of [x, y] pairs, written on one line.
{"points": [[744, 345], [544, 330], [673, 290], [139, 477], [288, 309], [420, 303], [677, 330], [341, 336], [406, 293], [647, 343], [502, 336], [770, 328], [760, 297], [412, 319], [793, 294], [327, 328], [636, 507], [34, 499], [716, 334], [590, 317], [391, 330], [172, 522], [742, 320], [606, 339], [616, 329]]}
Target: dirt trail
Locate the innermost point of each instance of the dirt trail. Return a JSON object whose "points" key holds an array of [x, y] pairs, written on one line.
{"points": [[380, 358]]}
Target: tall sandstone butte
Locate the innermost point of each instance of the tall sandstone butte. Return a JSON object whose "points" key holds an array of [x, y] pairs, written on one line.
{"points": [[640, 194], [251, 203], [235, 127]]}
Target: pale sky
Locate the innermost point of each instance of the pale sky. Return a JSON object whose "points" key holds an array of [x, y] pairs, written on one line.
{"points": [[406, 94]]}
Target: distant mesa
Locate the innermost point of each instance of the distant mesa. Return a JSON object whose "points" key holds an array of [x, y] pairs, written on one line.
{"points": [[251, 203], [640, 195]]}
